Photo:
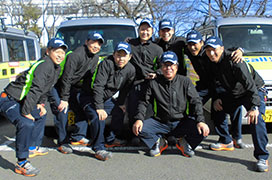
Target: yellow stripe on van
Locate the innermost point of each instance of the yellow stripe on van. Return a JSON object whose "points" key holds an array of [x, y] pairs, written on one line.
{"points": [[260, 62], [9, 70]]}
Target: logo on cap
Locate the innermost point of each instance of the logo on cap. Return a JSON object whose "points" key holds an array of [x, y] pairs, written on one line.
{"points": [[165, 23], [58, 41], [169, 56], [192, 35], [123, 46], [213, 42]]}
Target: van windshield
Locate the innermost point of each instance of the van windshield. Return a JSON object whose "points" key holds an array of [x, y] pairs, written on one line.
{"points": [[255, 39], [76, 36]]}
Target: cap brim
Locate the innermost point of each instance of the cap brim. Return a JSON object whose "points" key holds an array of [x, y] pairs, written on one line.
{"points": [[166, 27], [123, 49], [99, 39], [65, 46], [147, 23], [170, 60], [194, 40], [212, 45]]}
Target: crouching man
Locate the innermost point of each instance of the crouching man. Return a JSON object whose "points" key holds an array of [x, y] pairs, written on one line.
{"points": [[113, 74], [22, 103], [169, 94]]}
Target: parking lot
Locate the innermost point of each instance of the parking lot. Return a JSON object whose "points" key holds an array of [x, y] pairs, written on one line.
{"points": [[133, 162]]}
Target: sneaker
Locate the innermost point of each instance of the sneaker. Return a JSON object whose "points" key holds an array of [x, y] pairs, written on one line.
{"points": [[222, 147], [82, 142], [239, 144], [184, 147], [103, 155], [262, 165], [116, 143], [26, 169], [65, 149], [40, 151], [160, 145]]}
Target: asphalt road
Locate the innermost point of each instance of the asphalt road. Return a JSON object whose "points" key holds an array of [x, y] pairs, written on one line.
{"points": [[133, 163]]}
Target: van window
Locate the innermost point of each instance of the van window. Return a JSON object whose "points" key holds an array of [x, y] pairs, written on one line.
{"points": [[31, 49], [76, 35], [16, 50], [252, 38]]}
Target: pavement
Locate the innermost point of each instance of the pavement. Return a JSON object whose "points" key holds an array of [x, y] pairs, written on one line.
{"points": [[134, 163]]}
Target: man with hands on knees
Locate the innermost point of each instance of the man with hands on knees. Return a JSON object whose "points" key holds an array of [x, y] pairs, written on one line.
{"points": [[241, 85], [74, 67], [22, 103], [113, 74], [169, 94]]}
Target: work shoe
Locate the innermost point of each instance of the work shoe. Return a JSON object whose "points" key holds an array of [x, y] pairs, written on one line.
{"points": [[65, 149], [26, 169], [40, 151], [116, 143], [222, 147], [239, 144], [160, 145], [262, 165], [184, 147], [82, 142], [103, 155]]}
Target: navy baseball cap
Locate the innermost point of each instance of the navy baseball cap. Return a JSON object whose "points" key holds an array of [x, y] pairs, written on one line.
{"points": [[169, 56], [95, 36], [214, 42], [194, 36], [123, 46], [148, 21], [56, 43], [165, 23]]}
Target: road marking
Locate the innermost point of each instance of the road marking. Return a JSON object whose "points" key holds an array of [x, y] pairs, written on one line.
{"points": [[5, 147]]}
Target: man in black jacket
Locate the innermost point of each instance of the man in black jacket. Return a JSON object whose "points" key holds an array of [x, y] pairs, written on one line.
{"points": [[169, 94], [113, 74], [22, 103], [241, 85], [168, 41], [200, 62], [145, 59], [74, 68]]}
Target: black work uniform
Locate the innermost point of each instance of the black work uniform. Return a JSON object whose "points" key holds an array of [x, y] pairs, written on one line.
{"points": [[77, 63], [177, 45], [243, 86], [145, 58], [169, 100], [21, 98], [109, 80]]}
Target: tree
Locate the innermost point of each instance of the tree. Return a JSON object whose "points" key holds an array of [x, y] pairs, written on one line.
{"points": [[234, 8], [23, 15], [30, 16]]}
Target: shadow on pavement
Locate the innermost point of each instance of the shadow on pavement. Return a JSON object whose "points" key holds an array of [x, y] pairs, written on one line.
{"points": [[249, 164], [5, 164]]}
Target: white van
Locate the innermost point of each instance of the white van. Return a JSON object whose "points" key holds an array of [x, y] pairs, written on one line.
{"points": [[74, 32]]}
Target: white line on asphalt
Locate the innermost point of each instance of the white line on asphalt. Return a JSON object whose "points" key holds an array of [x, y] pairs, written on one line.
{"points": [[5, 147]]}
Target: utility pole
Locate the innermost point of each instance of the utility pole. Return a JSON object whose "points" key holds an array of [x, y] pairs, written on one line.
{"points": [[209, 10]]}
